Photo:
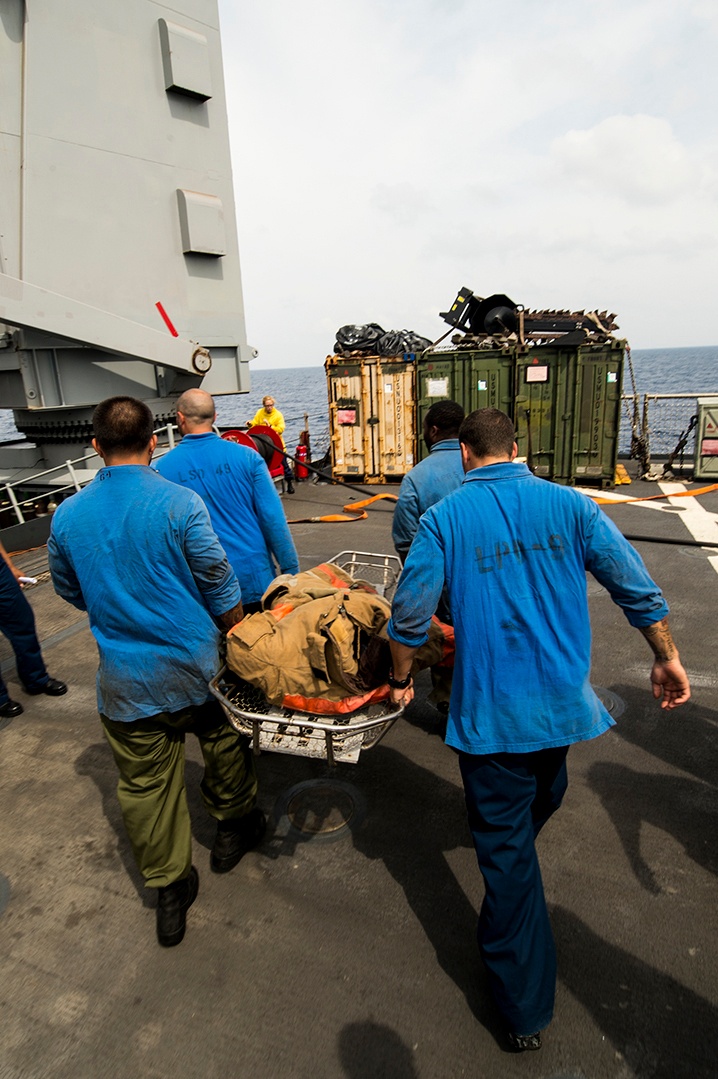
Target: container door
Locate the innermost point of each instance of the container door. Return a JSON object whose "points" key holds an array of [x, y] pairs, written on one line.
{"points": [[706, 459], [370, 401], [596, 414], [488, 380], [438, 379], [542, 411], [346, 418], [396, 389]]}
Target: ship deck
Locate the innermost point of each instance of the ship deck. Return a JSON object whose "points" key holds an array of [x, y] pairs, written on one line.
{"points": [[351, 953]]}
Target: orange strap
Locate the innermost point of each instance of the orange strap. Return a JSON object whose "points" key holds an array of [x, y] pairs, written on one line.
{"points": [[322, 707], [337, 582], [650, 498], [356, 509]]}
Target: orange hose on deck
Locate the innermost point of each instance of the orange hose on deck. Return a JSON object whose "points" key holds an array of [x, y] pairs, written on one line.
{"points": [[650, 498], [356, 509]]}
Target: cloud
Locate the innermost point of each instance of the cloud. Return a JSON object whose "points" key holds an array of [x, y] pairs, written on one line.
{"points": [[635, 158], [385, 154]]}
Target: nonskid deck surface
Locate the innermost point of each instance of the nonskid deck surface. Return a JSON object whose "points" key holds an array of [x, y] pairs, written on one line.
{"points": [[333, 951]]}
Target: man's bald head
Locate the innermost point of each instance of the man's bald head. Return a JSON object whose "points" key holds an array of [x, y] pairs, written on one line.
{"points": [[195, 411]]}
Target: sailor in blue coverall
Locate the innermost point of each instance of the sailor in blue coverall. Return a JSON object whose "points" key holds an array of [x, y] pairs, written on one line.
{"points": [[513, 551], [433, 478], [17, 622], [235, 485], [426, 484], [138, 553]]}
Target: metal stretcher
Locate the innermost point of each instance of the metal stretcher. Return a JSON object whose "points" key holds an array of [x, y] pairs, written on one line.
{"points": [[337, 738]]}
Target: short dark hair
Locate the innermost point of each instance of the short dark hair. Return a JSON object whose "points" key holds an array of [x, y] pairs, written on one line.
{"points": [[488, 432], [445, 416], [123, 423]]}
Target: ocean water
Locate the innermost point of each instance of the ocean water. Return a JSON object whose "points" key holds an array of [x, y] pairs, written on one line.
{"points": [[300, 390], [673, 370]]}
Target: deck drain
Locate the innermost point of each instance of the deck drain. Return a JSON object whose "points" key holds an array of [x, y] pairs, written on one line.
{"points": [[4, 892], [614, 705], [321, 808]]}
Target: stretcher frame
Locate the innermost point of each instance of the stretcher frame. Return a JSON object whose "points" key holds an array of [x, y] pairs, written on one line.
{"points": [[336, 738]]}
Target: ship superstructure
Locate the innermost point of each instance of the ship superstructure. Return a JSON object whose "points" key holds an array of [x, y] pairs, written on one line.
{"points": [[119, 264]]}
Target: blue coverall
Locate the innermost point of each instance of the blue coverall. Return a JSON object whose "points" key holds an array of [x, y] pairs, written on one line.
{"points": [[426, 484], [513, 551], [244, 507], [17, 622], [138, 553]]}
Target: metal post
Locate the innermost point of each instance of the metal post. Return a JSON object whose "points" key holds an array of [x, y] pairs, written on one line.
{"points": [[73, 475], [15, 504]]}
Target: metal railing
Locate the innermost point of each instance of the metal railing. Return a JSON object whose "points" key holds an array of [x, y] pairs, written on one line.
{"points": [[659, 425], [76, 483]]}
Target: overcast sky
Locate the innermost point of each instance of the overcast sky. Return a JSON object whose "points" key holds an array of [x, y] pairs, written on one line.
{"points": [[387, 153]]}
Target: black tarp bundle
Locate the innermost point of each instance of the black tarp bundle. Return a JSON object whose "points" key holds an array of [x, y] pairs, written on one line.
{"points": [[372, 340]]}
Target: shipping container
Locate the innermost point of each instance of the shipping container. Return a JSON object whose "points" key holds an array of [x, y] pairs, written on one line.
{"points": [[706, 459], [474, 379], [567, 404], [372, 410]]}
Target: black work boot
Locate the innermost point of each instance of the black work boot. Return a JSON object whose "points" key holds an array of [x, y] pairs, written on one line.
{"points": [[10, 709], [290, 487], [173, 902], [234, 838], [520, 1043]]}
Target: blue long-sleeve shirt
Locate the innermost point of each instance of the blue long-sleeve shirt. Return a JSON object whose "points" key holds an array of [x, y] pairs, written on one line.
{"points": [[514, 551], [244, 507], [426, 484], [139, 555]]}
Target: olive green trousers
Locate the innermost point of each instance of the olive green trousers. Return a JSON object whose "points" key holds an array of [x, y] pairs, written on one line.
{"points": [[150, 756]]}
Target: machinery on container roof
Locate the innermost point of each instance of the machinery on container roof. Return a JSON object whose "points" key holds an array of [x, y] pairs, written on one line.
{"points": [[481, 320], [119, 266]]}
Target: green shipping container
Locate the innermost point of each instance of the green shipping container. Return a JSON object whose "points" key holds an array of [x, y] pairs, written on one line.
{"points": [[706, 456], [567, 406], [565, 402], [475, 379]]}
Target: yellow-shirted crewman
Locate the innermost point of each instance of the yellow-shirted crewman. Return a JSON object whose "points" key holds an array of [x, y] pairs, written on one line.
{"points": [[270, 416]]}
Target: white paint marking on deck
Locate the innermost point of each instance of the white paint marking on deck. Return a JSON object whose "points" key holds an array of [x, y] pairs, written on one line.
{"points": [[701, 524], [614, 496]]}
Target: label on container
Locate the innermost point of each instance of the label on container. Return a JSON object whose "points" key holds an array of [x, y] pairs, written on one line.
{"points": [[346, 417], [612, 376], [387, 387], [482, 384], [437, 387], [709, 447], [537, 373]]}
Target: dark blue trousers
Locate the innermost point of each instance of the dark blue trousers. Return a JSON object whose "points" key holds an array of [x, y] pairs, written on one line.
{"points": [[509, 797], [17, 622]]}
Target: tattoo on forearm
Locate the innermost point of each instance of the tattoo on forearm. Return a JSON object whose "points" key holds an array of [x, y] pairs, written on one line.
{"points": [[659, 637]]}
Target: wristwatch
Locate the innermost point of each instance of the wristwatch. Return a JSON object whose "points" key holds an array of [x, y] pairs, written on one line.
{"points": [[398, 683]]}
